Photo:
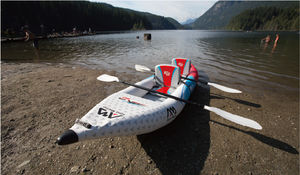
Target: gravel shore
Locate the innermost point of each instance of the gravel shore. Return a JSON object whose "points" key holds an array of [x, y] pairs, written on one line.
{"points": [[40, 101]]}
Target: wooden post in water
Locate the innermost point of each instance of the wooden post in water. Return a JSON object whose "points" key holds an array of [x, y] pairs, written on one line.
{"points": [[147, 36]]}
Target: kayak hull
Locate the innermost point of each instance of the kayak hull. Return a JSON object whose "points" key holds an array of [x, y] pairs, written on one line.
{"points": [[133, 111]]}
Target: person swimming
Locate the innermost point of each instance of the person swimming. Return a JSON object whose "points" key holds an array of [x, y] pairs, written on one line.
{"points": [[267, 39]]}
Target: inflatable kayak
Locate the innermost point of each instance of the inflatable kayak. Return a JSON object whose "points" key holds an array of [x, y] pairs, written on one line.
{"points": [[135, 111]]}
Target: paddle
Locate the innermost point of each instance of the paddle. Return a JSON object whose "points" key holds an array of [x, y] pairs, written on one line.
{"points": [[141, 68], [232, 117]]}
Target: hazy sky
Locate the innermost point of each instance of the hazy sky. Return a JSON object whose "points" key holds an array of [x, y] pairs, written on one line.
{"points": [[179, 10]]}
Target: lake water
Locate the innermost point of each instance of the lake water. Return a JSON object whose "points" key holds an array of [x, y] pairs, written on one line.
{"points": [[235, 59]]}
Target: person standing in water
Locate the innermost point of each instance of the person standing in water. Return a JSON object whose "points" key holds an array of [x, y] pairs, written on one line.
{"points": [[266, 39], [275, 42], [30, 36]]}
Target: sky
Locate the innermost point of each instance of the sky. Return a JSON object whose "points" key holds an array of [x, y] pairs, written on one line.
{"points": [[178, 9]]}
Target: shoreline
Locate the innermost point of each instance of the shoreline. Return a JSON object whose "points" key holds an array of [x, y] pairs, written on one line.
{"points": [[40, 101]]}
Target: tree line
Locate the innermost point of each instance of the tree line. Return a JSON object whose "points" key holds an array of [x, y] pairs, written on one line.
{"points": [[266, 18], [49, 16]]}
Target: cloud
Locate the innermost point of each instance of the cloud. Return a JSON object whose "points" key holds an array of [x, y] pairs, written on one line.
{"points": [[179, 10]]}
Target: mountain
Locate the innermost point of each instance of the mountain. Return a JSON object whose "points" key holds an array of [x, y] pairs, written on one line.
{"points": [[65, 15], [266, 18], [219, 15], [175, 23], [189, 21], [160, 22]]}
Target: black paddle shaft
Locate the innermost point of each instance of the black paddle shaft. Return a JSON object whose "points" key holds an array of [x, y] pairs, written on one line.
{"points": [[163, 94], [199, 80]]}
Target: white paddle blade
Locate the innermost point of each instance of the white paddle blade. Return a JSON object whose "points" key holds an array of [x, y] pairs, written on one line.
{"points": [[234, 118], [225, 89], [107, 78], [141, 68]]}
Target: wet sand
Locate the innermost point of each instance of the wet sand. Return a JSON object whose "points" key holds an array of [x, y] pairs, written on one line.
{"points": [[40, 101]]}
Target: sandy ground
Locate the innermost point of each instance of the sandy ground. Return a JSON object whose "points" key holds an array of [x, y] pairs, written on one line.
{"points": [[40, 101]]}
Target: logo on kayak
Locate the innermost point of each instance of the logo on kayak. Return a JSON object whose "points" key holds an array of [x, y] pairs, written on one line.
{"points": [[127, 99], [180, 64], [109, 113], [167, 73], [171, 113]]}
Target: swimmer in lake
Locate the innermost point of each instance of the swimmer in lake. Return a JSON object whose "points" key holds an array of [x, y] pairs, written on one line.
{"points": [[276, 40], [267, 39], [275, 43], [31, 36]]}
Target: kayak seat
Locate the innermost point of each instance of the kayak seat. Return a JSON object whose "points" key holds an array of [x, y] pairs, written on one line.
{"points": [[184, 64], [167, 78]]}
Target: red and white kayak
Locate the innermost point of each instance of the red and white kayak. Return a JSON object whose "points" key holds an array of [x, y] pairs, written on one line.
{"points": [[134, 111], [147, 105]]}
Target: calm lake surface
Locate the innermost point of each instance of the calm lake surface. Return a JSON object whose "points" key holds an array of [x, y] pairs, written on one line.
{"points": [[235, 59]]}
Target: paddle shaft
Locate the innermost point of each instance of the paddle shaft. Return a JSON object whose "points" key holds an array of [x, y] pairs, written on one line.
{"points": [[163, 94], [199, 80]]}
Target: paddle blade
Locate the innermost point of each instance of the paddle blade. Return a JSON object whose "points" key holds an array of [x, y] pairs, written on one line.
{"points": [[225, 89], [141, 68], [107, 78], [234, 118]]}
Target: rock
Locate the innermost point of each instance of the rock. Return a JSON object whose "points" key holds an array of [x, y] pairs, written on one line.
{"points": [[147, 36], [84, 169], [74, 169], [149, 161]]}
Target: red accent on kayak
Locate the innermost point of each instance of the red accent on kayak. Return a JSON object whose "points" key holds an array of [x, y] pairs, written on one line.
{"points": [[193, 72], [181, 64], [163, 90], [167, 73]]}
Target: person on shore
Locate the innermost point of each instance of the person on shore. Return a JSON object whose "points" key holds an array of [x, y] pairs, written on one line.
{"points": [[30, 36]]}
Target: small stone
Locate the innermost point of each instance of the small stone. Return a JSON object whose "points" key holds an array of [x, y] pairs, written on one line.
{"points": [[249, 109], [149, 161], [22, 171], [111, 146], [84, 169], [74, 169]]}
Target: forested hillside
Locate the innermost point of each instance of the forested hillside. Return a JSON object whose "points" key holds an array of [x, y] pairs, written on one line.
{"points": [[219, 15], [65, 15], [266, 18]]}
